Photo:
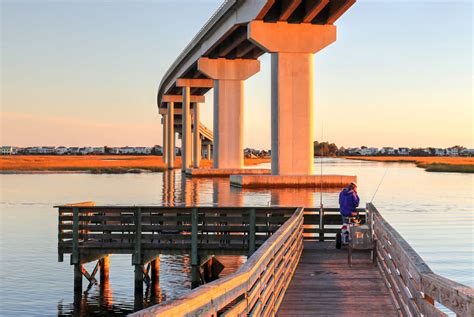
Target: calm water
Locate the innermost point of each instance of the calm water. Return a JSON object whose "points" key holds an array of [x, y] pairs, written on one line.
{"points": [[433, 211]]}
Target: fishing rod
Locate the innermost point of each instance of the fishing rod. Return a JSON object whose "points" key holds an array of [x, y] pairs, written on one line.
{"points": [[380, 183]]}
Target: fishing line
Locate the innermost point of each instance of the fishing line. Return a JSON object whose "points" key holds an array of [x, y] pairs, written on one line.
{"points": [[380, 183]]}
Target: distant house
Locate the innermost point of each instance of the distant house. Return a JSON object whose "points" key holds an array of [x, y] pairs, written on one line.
{"points": [[142, 150], [8, 150], [388, 151], [439, 152], [467, 152], [452, 151], [98, 150], [403, 151], [61, 150], [73, 150]]}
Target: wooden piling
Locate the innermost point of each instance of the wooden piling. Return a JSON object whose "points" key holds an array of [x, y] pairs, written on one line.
{"points": [[155, 270], [78, 278], [104, 269]]}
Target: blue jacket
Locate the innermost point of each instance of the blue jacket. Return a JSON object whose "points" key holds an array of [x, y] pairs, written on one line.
{"points": [[348, 202]]}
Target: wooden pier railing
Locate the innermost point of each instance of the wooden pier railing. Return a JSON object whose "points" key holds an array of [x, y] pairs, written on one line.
{"points": [[87, 230], [414, 287], [323, 224], [256, 289]]}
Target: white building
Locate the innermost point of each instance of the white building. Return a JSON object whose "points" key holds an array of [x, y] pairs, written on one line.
{"points": [[7, 150], [61, 150], [452, 151]]}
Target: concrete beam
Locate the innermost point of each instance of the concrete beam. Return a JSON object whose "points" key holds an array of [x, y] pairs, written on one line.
{"points": [[291, 38], [228, 69], [338, 9], [313, 8], [289, 6], [228, 107], [179, 98], [194, 83]]}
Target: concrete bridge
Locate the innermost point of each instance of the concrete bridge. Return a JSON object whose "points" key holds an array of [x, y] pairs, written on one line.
{"points": [[224, 54]]}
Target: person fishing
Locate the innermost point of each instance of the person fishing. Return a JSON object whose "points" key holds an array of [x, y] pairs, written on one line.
{"points": [[348, 202]]}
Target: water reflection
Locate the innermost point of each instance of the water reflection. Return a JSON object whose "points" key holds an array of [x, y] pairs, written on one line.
{"points": [[433, 211]]}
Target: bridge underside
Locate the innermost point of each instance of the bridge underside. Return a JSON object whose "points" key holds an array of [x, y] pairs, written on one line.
{"points": [[225, 53]]}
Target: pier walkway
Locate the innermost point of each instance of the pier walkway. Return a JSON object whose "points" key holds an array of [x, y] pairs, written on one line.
{"points": [[324, 285], [293, 267]]}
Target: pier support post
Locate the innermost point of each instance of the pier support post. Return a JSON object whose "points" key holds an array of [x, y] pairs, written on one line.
{"points": [[229, 76], [196, 136], [171, 136], [138, 302], [78, 279], [208, 150], [292, 89], [104, 269], [155, 270]]}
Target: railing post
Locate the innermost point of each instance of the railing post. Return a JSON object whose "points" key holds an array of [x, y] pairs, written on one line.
{"points": [[321, 223], [251, 231], [194, 237], [137, 259], [75, 236], [137, 252]]}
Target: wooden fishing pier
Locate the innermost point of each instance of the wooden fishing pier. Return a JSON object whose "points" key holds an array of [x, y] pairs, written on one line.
{"points": [[293, 268]]}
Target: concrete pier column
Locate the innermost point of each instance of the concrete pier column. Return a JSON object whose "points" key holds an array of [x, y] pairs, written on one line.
{"points": [[186, 137], [292, 89], [170, 144], [208, 150], [164, 120], [228, 78], [196, 137]]}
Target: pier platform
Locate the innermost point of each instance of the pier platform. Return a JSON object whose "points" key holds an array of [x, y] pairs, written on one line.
{"points": [[298, 181], [225, 172]]}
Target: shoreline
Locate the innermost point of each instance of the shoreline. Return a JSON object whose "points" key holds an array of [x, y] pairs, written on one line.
{"points": [[446, 164], [95, 164], [132, 164]]}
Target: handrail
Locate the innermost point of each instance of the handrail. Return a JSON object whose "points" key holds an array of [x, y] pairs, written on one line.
{"points": [[413, 285], [256, 288]]}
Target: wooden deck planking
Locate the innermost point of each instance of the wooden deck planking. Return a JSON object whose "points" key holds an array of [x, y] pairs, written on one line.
{"points": [[324, 285]]}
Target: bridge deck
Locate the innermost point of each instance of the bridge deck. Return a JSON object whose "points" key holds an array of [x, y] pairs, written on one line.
{"points": [[324, 285]]}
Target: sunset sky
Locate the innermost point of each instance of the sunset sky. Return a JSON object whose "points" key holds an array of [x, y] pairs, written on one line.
{"points": [[86, 73]]}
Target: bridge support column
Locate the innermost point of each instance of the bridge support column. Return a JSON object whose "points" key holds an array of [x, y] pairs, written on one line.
{"points": [[165, 138], [196, 136], [228, 78], [171, 136], [292, 89], [208, 150], [186, 135]]}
